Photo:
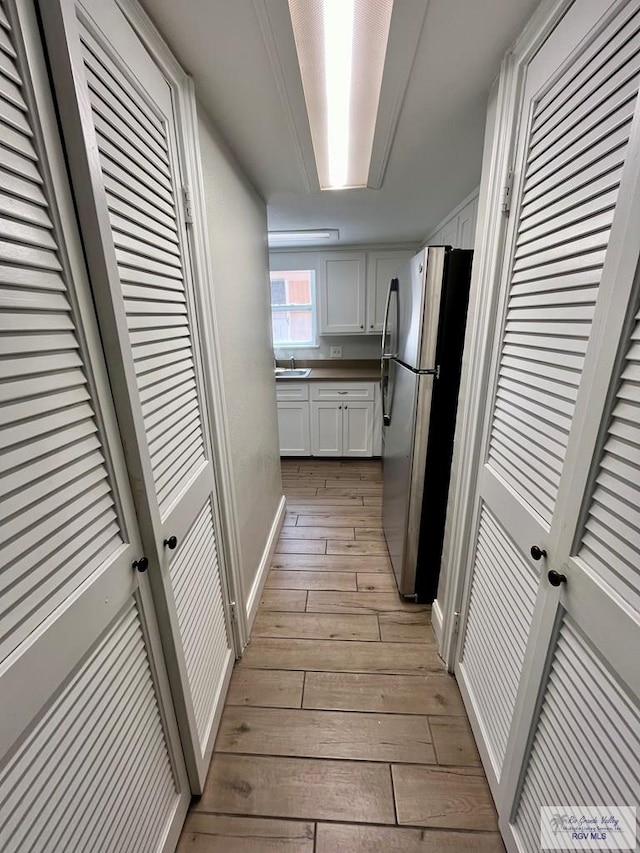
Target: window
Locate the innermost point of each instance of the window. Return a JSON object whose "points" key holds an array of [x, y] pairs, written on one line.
{"points": [[293, 308]]}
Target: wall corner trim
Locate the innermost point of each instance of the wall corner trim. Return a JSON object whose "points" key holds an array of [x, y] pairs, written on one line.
{"points": [[253, 600]]}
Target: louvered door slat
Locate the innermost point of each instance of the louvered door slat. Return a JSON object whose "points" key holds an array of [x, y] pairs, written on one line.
{"points": [[502, 600], [124, 111], [128, 238], [603, 124], [595, 59], [119, 194], [18, 162], [85, 754], [570, 184], [611, 540], [130, 143], [52, 456], [576, 136], [154, 305], [535, 227], [5, 43], [11, 93], [93, 732], [143, 226], [584, 701], [155, 411], [105, 80], [196, 580], [7, 68]]}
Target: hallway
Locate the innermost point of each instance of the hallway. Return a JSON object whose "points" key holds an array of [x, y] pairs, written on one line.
{"points": [[341, 730]]}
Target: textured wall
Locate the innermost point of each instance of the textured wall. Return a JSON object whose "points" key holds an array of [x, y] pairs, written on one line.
{"points": [[237, 225]]}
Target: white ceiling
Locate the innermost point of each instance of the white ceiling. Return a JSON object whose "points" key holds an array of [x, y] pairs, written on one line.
{"points": [[242, 57]]}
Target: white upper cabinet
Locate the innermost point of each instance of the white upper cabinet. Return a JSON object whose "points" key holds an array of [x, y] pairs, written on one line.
{"points": [[342, 293], [381, 267], [459, 228], [351, 286]]}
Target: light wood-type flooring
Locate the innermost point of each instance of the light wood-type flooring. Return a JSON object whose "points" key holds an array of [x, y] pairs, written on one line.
{"points": [[342, 732]]}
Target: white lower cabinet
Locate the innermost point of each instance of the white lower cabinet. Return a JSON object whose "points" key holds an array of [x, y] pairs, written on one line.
{"points": [[326, 429], [339, 420], [357, 429], [293, 428], [293, 418]]}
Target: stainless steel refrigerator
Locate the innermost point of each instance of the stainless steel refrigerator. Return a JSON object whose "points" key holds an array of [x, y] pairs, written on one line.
{"points": [[422, 345]]}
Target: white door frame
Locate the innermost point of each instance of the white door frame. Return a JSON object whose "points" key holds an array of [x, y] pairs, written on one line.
{"points": [[484, 309]]}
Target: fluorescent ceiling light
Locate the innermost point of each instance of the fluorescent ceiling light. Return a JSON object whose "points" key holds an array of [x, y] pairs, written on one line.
{"points": [[341, 46], [288, 238]]}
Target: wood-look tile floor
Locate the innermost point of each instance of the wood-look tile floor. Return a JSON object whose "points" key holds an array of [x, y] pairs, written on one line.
{"points": [[342, 732]]}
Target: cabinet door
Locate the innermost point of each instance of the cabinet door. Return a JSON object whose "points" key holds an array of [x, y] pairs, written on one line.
{"points": [[381, 267], [341, 291], [293, 427], [121, 132], [554, 569], [89, 752], [326, 429], [357, 429]]}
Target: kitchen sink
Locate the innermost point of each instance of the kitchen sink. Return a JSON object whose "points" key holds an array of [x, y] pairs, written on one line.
{"points": [[292, 372]]}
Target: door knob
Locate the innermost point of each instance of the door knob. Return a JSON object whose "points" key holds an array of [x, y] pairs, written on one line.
{"points": [[537, 553], [171, 542], [555, 578], [141, 565]]}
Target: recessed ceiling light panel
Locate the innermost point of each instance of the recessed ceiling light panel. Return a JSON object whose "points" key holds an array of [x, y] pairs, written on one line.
{"points": [[298, 238], [341, 46]]}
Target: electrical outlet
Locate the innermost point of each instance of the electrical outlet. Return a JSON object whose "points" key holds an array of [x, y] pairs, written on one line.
{"points": [[336, 352]]}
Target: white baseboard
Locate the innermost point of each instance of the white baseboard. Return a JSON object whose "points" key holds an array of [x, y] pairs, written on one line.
{"points": [[265, 563], [436, 621]]}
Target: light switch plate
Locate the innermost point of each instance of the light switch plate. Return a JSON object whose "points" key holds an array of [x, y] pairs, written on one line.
{"points": [[335, 352]]}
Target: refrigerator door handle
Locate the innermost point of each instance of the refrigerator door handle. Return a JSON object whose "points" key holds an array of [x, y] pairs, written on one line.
{"points": [[384, 385], [393, 288]]}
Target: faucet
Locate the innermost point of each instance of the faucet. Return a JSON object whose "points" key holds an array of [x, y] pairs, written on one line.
{"points": [[292, 362]]}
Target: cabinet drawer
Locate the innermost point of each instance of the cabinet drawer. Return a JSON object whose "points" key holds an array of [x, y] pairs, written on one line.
{"points": [[292, 391], [340, 391]]}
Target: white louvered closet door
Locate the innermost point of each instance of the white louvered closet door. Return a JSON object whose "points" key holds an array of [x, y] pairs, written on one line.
{"points": [[90, 757], [119, 124], [572, 249]]}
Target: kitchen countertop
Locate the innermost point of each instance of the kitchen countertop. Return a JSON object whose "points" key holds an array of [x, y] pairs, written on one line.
{"points": [[368, 372]]}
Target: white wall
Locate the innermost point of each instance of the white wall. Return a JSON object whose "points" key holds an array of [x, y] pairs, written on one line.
{"points": [[237, 226], [353, 346]]}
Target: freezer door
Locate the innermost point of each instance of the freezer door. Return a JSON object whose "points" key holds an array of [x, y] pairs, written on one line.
{"points": [[403, 462], [418, 308]]}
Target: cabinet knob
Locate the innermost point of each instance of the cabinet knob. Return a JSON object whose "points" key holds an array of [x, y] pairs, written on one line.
{"points": [[141, 565], [362, 327], [537, 553], [372, 325], [555, 578], [171, 542]]}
